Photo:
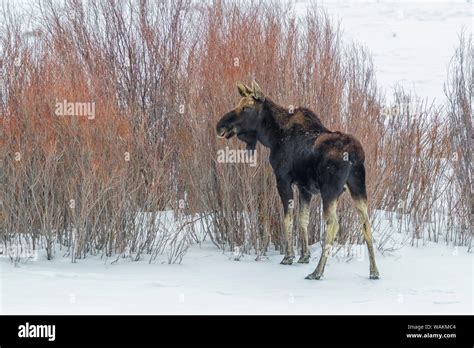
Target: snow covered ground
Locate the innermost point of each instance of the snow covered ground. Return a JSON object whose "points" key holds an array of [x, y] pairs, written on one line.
{"points": [[433, 279]]}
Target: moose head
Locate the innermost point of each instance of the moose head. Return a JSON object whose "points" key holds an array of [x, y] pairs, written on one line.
{"points": [[243, 120]]}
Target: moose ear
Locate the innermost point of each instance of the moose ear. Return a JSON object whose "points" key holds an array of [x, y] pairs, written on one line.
{"points": [[244, 91], [257, 92]]}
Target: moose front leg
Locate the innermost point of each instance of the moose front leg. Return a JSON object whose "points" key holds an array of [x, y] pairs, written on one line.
{"points": [[286, 195], [303, 220]]}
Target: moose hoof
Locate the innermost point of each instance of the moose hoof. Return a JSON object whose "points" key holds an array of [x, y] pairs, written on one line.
{"points": [[304, 258], [287, 260], [374, 276], [313, 276]]}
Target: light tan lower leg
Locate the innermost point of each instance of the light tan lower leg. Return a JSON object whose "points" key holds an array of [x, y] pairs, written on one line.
{"points": [[303, 220], [288, 225], [361, 206]]}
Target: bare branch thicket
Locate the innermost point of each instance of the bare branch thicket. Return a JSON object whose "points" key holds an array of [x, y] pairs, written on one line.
{"points": [[459, 91], [160, 75]]}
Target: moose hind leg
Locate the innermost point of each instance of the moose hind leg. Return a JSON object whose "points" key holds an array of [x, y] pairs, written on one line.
{"points": [[332, 226], [361, 206], [357, 189]]}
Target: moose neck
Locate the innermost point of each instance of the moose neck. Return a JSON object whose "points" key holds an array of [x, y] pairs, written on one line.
{"points": [[270, 128]]}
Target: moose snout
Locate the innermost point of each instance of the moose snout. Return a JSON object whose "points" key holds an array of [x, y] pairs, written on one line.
{"points": [[225, 132], [220, 131], [224, 128]]}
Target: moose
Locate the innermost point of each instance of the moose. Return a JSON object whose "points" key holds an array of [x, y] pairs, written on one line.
{"points": [[304, 153]]}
